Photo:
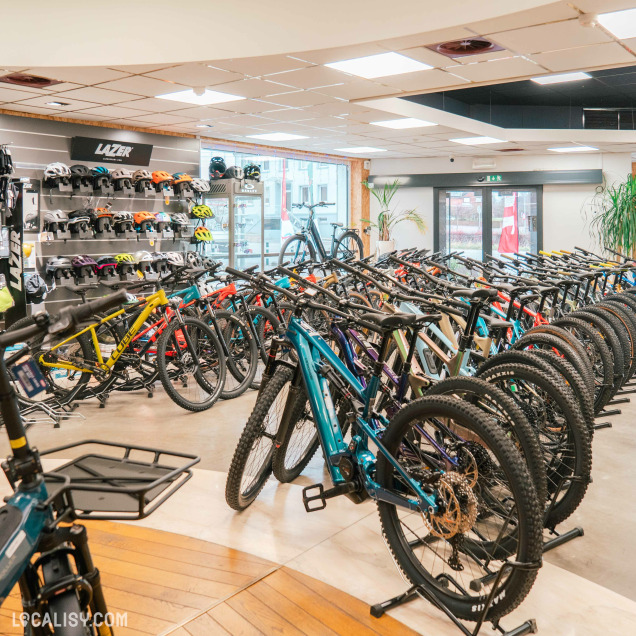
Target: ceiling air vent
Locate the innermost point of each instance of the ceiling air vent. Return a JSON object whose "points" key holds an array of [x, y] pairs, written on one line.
{"points": [[465, 47], [23, 79]]}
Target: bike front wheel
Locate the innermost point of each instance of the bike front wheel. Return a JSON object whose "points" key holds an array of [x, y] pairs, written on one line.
{"points": [[296, 250], [190, 364], [348, 245]]}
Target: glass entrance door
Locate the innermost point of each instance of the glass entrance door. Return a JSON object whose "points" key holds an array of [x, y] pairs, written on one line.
{"points": [[487, 220], [461, 221]]}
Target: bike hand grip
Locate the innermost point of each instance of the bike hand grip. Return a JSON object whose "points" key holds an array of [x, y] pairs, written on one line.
{"points": [[237, 272]]}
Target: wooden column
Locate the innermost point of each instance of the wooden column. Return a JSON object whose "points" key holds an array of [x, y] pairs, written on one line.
{"points": [[359, 200]]}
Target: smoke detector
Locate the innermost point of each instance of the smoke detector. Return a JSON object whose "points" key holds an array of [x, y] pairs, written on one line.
{"points": [[24, 79], [465, 47]]}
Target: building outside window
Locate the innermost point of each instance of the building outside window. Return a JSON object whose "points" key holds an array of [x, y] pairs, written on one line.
{"points": [[289, 182]]}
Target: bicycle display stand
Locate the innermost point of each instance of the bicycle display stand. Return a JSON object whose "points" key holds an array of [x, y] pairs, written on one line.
{"points": [[561, 537], [528, 627]]}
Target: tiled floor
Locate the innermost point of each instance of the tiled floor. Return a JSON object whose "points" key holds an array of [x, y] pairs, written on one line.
{"points": [[586, 587]]}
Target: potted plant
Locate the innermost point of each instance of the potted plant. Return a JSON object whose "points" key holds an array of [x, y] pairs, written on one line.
{"points": [[389, 218], [614, 216]]}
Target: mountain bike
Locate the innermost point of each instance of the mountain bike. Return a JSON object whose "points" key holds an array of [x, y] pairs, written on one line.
{"points": [[50, 559], [307, 244], [455, 498]]}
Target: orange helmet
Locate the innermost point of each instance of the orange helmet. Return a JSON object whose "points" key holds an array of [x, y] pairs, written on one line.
{"points": [[161, 176], [103, 212], [144, 215], [180, 177]]}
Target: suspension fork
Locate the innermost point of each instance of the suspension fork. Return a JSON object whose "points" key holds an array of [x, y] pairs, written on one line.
{"points": [[217, 329]]}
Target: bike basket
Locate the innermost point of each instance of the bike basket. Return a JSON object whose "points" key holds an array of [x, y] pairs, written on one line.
{"points": [[116, 481]]}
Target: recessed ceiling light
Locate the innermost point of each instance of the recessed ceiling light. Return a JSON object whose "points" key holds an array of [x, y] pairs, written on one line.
{"points": [[573, 149], [204, 126], [406, 122], [277, 137], [477, 141], [379, 65], [563, 77], [358, 150], [207, 97], [621, 24], [57, 104]]}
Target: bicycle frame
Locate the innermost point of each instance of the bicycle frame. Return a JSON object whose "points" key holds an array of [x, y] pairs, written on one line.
{"points": [[311, 349], [158, 299]]}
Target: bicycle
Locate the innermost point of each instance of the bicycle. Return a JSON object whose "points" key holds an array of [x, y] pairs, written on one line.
{"points": [[61, 586], [432, 454], [307, 244]]}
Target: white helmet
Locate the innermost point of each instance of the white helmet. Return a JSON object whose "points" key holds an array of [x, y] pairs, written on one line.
{"points": [[143, 256], [200, 185], [141, 175], [175, 258], [56, 170], [121, 173]]}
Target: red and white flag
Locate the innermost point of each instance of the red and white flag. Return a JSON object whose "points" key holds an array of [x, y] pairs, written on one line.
{"points": [[509, 240]]}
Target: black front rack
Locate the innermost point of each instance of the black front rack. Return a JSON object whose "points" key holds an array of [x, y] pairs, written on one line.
{"points": [[126, 485]]}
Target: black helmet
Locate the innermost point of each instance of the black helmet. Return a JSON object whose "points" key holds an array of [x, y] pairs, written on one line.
{"points": [[217, 167], [35, 288], [233, 172], [80, 170], [252, 171]]}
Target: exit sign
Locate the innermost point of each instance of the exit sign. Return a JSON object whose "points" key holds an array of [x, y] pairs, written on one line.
{"points": [[493, 177]]}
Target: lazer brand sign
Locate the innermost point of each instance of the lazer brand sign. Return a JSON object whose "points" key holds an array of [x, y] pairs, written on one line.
{"points": [[110, 151]]}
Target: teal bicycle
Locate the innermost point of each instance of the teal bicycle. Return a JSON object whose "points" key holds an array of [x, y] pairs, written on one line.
{"points": [[457, 507]]}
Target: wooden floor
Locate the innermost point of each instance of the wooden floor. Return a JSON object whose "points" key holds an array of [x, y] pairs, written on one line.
{"points": [[171, 584]]}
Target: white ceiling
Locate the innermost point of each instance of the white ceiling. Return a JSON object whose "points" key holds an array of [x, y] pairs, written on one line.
{"points": [[294, 92]]}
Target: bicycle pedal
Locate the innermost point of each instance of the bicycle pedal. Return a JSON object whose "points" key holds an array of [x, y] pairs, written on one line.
{"points": [[320, 497]]}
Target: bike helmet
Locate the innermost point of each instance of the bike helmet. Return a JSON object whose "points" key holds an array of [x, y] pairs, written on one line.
{"points": [[162, 217], [55, 220], [122, 178], [143, 256], [100, 212], [208, 262], [200, 185], [141, 175], [80, 175], [179, 219], [180, 177], [101, 177], [144, 219], [100, 171], [252, 171], [122, 217], [125, 257], [83, 260], [104, 262], [217, 167], [161, 176], [203, 234], [192, 259], [57, 266], [233, 172], [202, 212], [175, 259], [57, 173], [35, 288]]}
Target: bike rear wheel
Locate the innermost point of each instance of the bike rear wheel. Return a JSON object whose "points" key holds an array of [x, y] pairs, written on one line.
{"points": [[295, 250], [348, 245]]}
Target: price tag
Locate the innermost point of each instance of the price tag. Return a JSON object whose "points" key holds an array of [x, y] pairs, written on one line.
{"points": [[30, 377]]}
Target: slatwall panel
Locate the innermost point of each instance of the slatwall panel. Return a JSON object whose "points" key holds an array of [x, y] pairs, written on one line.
{"points": [[37, 142]]}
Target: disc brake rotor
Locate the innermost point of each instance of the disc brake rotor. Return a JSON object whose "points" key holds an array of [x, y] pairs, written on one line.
{"points": [[459, 507]]}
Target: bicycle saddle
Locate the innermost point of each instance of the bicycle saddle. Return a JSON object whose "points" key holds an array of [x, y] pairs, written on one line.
{"points": [[493, 322], [475, 294], [389, 322], [336, 224]]}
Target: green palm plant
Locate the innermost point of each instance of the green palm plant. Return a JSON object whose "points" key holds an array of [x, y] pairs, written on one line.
{"points": [[614, 216], [388, 218]]}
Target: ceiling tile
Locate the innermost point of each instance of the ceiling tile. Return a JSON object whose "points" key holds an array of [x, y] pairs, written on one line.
{"points": [[312, 77], [540, 15], [357, 89], [162, 118], [140, 85], [94, 94], [253, 88], [243, 120], [422, 39], [422, 54], [151, 104], [324, 56], [550, 37], [288, 114], [118, 112], [483, 57], [13, 95], [36, 110], [499, 69], [71, 104], [299, 98], [585, 57], [58, 88], [248, 106], [198, 112], [423, 80], [603, 6], [141, 68], [195, 75], [79, 74], [257, 66]]}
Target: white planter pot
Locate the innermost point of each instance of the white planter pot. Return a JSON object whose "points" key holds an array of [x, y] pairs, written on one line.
{"points": [[384, 247]]}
